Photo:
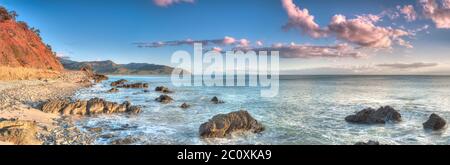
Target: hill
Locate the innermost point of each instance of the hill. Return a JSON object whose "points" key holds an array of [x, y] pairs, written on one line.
{"points": [[111, 68], [21, 46]]}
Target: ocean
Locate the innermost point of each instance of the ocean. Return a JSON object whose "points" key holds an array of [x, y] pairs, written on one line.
{"points": [[309, 110]]}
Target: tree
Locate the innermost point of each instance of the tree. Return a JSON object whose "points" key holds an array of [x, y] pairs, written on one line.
{"points": [[7, 15]]}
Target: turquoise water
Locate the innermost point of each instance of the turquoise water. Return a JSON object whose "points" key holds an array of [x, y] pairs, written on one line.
{"points": [[307, 110]]}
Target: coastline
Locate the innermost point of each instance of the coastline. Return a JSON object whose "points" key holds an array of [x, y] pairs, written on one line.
{"points": [[20, 101]]}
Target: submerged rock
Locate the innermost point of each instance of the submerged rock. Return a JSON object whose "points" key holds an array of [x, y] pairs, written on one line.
{"points": [[435, 122], [372, 116], [118, 82], [163, 89], [90, 107], [223, 125], [164, 99], [185, 105], [113, 90], [18, 132], [216, 100], [370, 142]]}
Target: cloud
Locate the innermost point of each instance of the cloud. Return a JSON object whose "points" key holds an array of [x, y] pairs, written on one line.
{"points": [[259, 43], [165, 3], [439, 14], [408, 65], [363, 32], [244, 43], [225, 41], [408, 12], [302, 20], [360, 30], [309, 51]]}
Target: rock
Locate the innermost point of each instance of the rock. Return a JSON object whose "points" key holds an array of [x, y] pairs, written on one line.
{"points": [[223, 125], [216, 100], [163, 89], [135, 85], [146, 91], [98, 78], [435, 122], [18, 132], [119, 82], [185, 105], [95, 129], [370, 142], [164, 99], [90, 107], [124, 141], [372, 116], [113, 90]]}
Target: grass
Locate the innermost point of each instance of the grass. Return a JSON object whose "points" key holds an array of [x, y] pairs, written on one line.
{"points": [[21, 73]]}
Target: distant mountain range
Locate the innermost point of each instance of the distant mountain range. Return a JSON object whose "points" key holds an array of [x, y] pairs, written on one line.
{"points": [[111, 68]]}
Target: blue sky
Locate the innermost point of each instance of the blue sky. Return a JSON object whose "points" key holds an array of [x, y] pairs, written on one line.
{"points": [[88, 30]]}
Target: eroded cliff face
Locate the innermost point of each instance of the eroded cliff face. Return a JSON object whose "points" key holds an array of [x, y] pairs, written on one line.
{"points": [[21, 46]]}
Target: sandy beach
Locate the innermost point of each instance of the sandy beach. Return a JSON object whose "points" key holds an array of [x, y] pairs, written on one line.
{"points": [[20, 99]]}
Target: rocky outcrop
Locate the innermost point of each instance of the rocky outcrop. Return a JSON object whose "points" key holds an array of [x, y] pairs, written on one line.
{"points": [[90, 73], [119, 82], [164, 99], [223, 125], [18, 132], [185, 105], [370, 142], [21, 45], [372, 116], [216, 100], [163, 89], [435, 122], [90, 107], [113, 90], [98, 78], [135, 85]]}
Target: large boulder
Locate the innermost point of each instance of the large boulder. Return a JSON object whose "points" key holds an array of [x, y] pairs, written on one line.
{"points": [[435, 122], [98, 78], [164, 99], [223, 125], [163, 89], [18, 132], [87, 69], [372, 116], [89, 107], [119, 82]]}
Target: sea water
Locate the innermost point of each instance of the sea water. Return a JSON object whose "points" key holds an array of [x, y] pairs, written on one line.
{"points": [[307, 110]]}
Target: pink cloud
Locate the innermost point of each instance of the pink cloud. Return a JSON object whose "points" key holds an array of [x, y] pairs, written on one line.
{"points": [[409, 13], [363, 32], [439, 14], [217, 49], [244, 42], [165, 3], [302, 20], [228, 40], [259, 43]]}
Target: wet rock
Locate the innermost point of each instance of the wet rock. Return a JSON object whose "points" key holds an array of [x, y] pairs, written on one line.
{"points": [[18, 132], [223, 125], [370, 142], [216, 100], [119, 82], [372, 116], [435, 122], [185, 105], [164, 99], [125, 141], [90, 73], [135, 85], [163, 89], [146, 91], [113, 90], [95, 129], [90, 107], [98, 78]]}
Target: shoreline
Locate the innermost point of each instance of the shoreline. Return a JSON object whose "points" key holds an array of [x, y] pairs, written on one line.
{"points": [[20, 101]]}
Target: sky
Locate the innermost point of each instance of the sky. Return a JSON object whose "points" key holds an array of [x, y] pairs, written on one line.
{"points": [[312, 36]]}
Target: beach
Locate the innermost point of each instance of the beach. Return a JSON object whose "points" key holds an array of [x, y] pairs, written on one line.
{"points": [[20, 99]]}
